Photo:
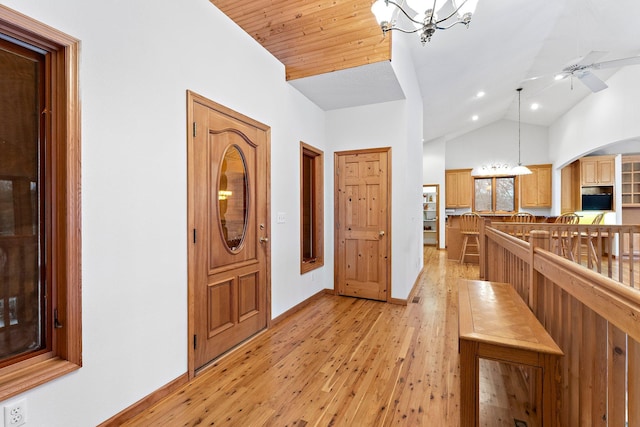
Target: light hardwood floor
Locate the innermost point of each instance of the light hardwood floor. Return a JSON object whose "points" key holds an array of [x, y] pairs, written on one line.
{"points": [[342, 362]]}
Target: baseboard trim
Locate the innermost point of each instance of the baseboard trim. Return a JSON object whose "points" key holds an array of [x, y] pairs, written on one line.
{"points": [[146, 402], [300, 306], [414, 289]]}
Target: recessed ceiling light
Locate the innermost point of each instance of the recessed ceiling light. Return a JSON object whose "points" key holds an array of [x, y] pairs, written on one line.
{"points": [[480, 94], [474, 118], [559, 77], [535, 106]]}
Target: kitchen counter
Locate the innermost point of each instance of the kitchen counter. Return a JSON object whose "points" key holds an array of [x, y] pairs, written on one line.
{"points": [[453, 237]]}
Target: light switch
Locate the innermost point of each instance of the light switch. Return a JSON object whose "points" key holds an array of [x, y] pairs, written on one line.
{"points": [[281, 218]]}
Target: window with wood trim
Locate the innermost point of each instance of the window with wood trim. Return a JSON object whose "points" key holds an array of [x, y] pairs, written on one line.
{"points": [[40, 316], [495, 194], [311, 208]]}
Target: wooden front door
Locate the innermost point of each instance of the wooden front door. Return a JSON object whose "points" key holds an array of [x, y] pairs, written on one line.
{"points": [[229, 229], [363, 223]]}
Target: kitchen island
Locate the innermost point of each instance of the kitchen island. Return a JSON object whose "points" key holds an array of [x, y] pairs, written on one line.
{"points": [[453, 237]]}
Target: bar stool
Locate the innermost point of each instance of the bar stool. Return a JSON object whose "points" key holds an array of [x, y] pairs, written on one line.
{"points": [[469, 229]]}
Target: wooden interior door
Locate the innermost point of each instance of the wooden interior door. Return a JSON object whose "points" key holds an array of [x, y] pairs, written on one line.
{"points": [[229, 229], [363, 223]]}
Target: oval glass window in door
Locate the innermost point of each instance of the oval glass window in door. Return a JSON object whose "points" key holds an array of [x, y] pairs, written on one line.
{"points": [[233, 198]]}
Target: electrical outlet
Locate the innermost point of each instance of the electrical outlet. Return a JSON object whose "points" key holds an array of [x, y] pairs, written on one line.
{"points": [[15, 415]]}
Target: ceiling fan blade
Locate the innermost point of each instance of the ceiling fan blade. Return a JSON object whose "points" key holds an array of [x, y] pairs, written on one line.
{"points": [[634, 60], [591, 57], [591, 81]]}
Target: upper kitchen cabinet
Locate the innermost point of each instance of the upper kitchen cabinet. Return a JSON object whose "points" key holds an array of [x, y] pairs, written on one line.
{"points": [[536, 188], [597, 170], [458, 188], [631, 181], [570, 188]]}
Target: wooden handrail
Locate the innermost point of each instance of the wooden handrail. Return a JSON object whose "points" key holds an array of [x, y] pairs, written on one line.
{"points": [[616, 261], [594, 319]]}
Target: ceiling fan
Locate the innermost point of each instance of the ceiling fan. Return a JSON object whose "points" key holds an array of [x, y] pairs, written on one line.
{"points": [[582, 67]]}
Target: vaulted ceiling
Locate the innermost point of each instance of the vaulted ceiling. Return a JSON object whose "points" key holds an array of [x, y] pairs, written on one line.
{"points": [[335, 54], [312, 37]]}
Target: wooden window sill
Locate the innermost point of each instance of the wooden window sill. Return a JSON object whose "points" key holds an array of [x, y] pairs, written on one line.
{"points": [[20, 380]]}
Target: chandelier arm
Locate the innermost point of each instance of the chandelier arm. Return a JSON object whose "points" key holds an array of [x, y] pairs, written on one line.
{"points": [[451, 15], [449, 26], [405, 14], [403, 31]]}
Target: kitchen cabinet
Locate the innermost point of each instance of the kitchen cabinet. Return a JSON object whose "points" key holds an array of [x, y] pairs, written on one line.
{"points": [[597, 170], [570, 188], [631, 181], [458, 188], [535, 189]]}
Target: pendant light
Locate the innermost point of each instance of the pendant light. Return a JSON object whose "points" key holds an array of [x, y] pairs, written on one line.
{"points": [[520, 170]]}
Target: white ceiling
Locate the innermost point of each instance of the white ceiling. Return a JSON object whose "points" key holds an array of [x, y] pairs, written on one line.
{"points": [[508, 42]]}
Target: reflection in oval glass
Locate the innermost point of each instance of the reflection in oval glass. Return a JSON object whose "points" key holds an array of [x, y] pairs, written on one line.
{"points": [[233, 197]]}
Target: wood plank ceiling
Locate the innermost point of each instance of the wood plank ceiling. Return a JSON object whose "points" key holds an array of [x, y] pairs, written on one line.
{"points": [[312, 37]]}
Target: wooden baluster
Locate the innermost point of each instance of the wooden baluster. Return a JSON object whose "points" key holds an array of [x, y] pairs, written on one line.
{"points": [[616, 376], [538, 239], [633, 379], [599, 404], [621, 235], [484, 260], [631, 255]]}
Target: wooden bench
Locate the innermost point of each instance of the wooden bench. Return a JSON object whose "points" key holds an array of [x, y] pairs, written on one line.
{"points": [[496, 324]]}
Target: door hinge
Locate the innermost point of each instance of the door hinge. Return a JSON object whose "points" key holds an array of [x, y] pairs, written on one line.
{"points": [[194, 235], [195, 341], [195, 129], [56, 322]]}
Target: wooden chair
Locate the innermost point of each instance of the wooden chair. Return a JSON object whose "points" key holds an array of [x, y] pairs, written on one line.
{"points": [[586, 239], [469, 229], [523, 217], [560, 240], [567, 218]]}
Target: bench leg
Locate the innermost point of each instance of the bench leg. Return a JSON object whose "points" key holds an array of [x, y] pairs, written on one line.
{"points": [[469, 384]]}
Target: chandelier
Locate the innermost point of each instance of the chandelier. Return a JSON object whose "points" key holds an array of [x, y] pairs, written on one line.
{"points": [[500, 168], [425, 15]]}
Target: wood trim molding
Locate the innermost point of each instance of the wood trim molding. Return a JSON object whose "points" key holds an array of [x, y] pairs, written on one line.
{"points": [[63, 112], [412, 293], [146, 402], [293, 310]]}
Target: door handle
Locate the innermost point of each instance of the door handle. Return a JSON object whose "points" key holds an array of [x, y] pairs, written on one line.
{"points": [[264, 239], [381, 233]]}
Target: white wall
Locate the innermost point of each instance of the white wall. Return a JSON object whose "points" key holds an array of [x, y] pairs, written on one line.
{"points": [[383, 125], [138, 58], [407, 214], [398, 125], [600, 119], [498, 143]]}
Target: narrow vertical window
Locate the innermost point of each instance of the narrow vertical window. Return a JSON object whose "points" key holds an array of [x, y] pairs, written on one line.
{"points": [[311, 208], [40, 303], [22, 177]]}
